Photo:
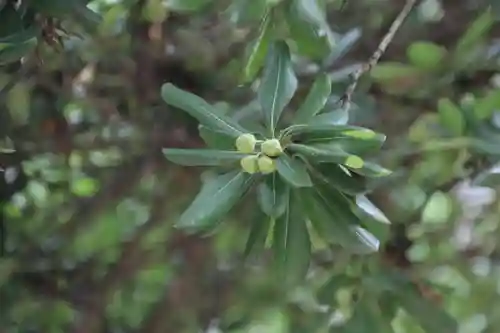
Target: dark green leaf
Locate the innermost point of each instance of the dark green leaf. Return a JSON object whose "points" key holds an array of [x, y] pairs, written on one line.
{"points": [[335, 117], [216, 139], [339, 177], [278, 84], [310, 11], [198, 108], [451, 117], [485, 106], [291, 244], [272, 195], [309, 29], [258, 233], [258, 49], [325, 132], [216, 197], [372, 170], [343, 46], [426, 55], [201, 157], [320, 155], [331, 215], [315, 100], [293, 171]]}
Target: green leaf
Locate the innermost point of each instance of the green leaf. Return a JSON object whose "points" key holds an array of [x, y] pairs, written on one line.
{"points": [[315, 100], [259, 229], [336, 117], [291, 244], [476, 31], [201, 157], [339, 177], [309, 29], [320, 155], [258, 49], [312, 133], [272, 195], [372, 170], [426, 55], [343, 46], [393, 70], [331, 215], [485, 106], [451, 117], [293, 171], [278, 84], [216, 139], [216, 197], [198, 108]]}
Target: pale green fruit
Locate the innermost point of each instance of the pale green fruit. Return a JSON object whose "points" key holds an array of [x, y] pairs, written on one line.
{"points": [[245, 143], [272, 147], [249, 164], [266, 164]]}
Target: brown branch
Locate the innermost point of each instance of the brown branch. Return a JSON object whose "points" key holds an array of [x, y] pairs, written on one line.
{"points": [[372, 61]]}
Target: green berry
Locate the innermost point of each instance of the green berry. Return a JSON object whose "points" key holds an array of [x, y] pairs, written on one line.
{"points": [[245, 143], [249, 164], [272, 147], [266, 164]]}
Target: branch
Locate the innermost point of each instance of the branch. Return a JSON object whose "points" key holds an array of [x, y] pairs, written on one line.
{"points": [[345, 100]]}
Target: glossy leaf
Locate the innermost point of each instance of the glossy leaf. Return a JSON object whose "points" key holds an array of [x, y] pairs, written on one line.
{"points": [[278, 84], [201, 157], [272, 195], [198, 108], [315, 100], [216, 197], [451, 117], [340, 178], [426, 55], [291, 244], [372, 170], [293, 171], [331, 216], [315, 133], [258, 49]]}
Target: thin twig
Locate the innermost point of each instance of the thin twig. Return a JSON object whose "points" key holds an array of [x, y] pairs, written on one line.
{"points": [[366, 67]]}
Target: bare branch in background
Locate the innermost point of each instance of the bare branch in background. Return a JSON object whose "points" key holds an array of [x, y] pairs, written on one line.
{"points": [[345, 100]]}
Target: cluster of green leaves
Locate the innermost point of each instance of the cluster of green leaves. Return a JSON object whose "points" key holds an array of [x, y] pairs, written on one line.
{"points": [[317, 178], [21, 30]]}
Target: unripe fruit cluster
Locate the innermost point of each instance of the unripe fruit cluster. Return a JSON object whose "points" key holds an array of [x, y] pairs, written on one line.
{"points": [[262, 162]]}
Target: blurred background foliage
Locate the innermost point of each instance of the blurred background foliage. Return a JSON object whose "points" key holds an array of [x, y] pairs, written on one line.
{"points": [[89, 201]]}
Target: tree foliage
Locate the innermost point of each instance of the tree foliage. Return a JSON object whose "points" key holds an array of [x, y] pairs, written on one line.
{"points": [[249, 166]]}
